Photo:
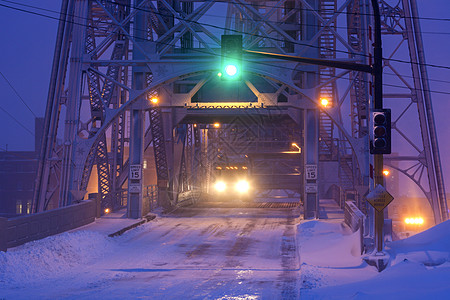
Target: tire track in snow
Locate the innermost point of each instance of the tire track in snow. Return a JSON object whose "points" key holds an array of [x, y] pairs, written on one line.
{"points": [[290, 277]]}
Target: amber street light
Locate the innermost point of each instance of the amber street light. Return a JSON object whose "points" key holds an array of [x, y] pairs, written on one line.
{"points": [[386, 172], [154, 100], [217, 125], [324, 102]]}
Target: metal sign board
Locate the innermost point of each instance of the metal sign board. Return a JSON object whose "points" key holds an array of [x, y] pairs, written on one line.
{"points": [[311, 188], [135, 172], [311, 172], [134, 188], [379, 198]]}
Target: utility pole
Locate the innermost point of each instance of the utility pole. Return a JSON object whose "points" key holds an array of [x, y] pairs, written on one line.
{"points": [[378, 104]]}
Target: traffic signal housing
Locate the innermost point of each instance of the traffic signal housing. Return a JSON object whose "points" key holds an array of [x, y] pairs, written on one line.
{"points": [[231, 57], [381, 132]]}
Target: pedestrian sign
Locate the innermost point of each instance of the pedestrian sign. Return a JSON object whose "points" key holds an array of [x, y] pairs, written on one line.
{"points": [[379, 198]]}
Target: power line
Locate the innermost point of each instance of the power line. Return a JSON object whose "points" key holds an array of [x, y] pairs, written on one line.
{"points": [[15, 91], [201, 51], [280, 40], [365, 81], [409, 76], [17, 121], [166, 15], [211, 15], [32, 6], [222, 28], [344, 12]]}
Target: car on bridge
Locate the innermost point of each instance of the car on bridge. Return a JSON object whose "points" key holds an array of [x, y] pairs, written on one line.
{"points": [[231, 181]]}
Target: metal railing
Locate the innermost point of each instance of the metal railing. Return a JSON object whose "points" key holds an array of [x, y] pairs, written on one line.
{"points": [[149, 195], [354, 218], [335, 192], [149, 198]]}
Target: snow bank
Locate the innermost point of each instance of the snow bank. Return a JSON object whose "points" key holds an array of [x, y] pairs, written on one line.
{"points": [[406, 280], [329, 255], [328, 245], [430, 247], [51, 256], [419, 266]]}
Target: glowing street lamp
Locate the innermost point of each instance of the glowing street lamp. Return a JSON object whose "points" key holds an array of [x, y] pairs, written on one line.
{"points": [[216, 125], [324, 102], [386, 172], [154, 100]]}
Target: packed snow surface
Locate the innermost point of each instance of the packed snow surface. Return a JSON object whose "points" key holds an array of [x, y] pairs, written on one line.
{"points": [[198, 254], [227, 255], [419, 266]]}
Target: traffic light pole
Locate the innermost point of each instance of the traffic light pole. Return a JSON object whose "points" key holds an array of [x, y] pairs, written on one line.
{"points": [[378, 104]]}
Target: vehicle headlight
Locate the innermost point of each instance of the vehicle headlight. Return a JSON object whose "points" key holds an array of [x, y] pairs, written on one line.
{"points": [[242, 186], [220, 186]]}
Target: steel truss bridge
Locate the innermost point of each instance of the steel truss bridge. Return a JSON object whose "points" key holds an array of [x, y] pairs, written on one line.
{"points": [[113, 56]]}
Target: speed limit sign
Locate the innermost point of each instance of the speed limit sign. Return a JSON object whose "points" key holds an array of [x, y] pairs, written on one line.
{"points": [[135, 172], [311, 172]]}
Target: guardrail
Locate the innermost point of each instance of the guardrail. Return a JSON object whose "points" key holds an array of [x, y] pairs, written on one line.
{"points": [[354, 218], [23, 229], [189, 197], [150, 199], [335, 192]]}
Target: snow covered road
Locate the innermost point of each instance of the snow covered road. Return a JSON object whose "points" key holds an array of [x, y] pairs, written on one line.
{"points": [[194, 254], [227, 253]]}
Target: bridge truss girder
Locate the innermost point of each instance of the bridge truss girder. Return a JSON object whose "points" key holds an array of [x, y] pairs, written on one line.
{"points": [[401, 31], [174, 45]]}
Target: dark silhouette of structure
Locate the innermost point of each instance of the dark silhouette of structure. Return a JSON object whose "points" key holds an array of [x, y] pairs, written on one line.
{"points": [[17, 177]]}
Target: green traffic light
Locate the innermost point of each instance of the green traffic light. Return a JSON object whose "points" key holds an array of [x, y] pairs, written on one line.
{"points": [[231, 70], [231, 52]]}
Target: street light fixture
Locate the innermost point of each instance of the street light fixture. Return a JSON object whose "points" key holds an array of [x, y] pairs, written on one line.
{"points": [[324, 102]]}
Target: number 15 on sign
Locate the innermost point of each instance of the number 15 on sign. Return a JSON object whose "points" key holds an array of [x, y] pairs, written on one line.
{"points": [[135, 172], [311, 172]]}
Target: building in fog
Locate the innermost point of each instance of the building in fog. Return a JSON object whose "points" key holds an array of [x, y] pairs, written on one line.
{"points": [[17, 176]]}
